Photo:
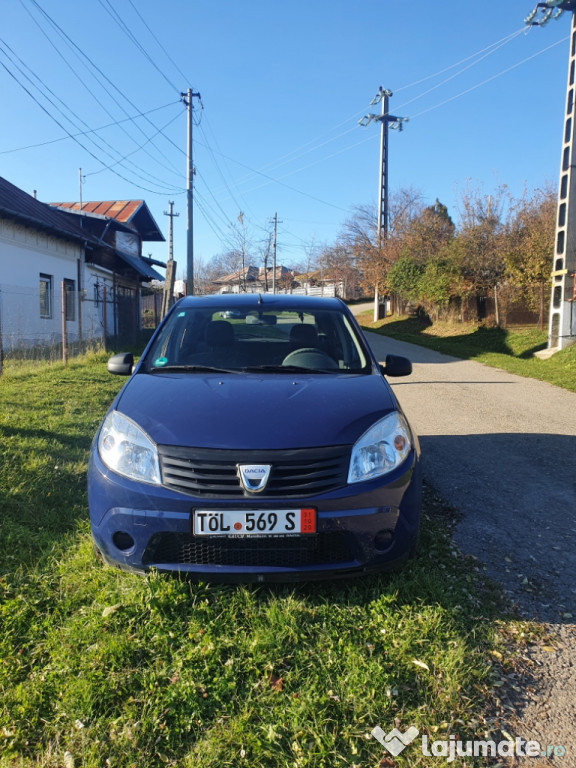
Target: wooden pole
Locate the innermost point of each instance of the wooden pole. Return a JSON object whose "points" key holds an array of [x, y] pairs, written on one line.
{"points": [[104, 316], [1, 347], [63, 316]]}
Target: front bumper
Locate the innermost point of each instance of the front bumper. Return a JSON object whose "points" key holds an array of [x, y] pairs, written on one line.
{"points": [[361, 528]]}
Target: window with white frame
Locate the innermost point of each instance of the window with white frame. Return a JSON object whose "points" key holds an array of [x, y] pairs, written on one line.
{"points": [[70, 299], [45, 295]]}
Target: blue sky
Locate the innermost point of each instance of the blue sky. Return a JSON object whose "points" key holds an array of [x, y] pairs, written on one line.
{"points": [[283, 85]]}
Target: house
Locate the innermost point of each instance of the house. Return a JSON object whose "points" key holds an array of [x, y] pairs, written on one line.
{"points": [[321, 282], [255, 280], [116, 267], [71, 267], [259, 280]]}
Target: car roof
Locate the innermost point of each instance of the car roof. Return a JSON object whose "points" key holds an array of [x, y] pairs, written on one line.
{"points": [[263, 301]]}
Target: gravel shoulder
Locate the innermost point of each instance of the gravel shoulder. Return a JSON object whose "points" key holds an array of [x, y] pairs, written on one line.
{"points": [[501, 449]]}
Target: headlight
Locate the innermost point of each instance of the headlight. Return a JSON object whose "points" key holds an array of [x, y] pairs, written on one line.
{"points": [[381, 449], [127, 449]]}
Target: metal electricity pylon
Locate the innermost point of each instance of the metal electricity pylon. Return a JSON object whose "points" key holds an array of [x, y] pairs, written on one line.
{"points": [[551, 9], [386, 121], [562, 322]]}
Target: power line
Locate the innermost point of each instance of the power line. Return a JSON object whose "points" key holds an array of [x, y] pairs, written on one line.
{"points": [[92, 68], [74, 138], [131, 36], [36, 82], [216, 228], [184, 77], [131, 118], [464, 69], [217, 204], [277, 181], [207, 146], [293, 155], [490, 79], [138, 149], [492, 48]]}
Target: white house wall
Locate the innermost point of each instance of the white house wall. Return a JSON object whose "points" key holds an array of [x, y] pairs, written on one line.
{"points": [[25, 255]]}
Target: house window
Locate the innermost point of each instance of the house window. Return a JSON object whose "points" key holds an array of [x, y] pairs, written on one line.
{"points": [[70, 299], [45, 295]]}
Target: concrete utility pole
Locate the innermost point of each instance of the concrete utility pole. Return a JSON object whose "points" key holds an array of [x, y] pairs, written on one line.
{"points": [[385, 121], [187, 99], [274, 253], [562, 321], [171, 214], [168, 293], [274, 243]]}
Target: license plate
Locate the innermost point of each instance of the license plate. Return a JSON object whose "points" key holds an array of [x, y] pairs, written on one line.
{"points": [[263, 522]]}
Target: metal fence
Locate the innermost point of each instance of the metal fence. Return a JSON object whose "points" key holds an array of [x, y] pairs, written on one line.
{"points": [[54, 322]]}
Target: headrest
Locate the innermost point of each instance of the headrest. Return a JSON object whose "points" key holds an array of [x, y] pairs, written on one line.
{"points": [[304, 335], [219, 333]]}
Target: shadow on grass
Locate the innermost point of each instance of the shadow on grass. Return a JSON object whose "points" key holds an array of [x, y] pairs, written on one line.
{"points": [[299, 658], [480, 341], [42, 504]]}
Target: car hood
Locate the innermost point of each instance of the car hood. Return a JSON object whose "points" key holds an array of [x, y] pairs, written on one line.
{"points": [[247, 411]]}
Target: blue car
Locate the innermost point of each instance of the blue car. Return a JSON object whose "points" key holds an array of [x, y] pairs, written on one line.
{"points": [[268, 447]]}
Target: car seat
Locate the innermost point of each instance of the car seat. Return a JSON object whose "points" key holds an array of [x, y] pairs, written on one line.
{"points": [[303, 336]]}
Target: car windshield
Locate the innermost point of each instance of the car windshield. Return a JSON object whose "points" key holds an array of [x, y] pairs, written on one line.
{"points": [[276, 340]]}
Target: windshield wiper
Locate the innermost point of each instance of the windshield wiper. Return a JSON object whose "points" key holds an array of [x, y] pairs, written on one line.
{"points": [[191, 369], [286, 369]]}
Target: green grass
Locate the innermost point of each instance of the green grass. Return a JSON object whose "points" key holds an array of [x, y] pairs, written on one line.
{"points": [[509, 349], [122, 670]]}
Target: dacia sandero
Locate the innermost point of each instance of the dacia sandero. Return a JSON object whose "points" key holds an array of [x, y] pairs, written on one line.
{"points": [[256, 439]]}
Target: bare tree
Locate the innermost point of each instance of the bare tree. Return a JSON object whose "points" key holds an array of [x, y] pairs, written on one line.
{"points": [[226, 263], [265, 255], [204, 273], [237, 260], [481, 239], [339, 264], [373, 259], [405, 204]]}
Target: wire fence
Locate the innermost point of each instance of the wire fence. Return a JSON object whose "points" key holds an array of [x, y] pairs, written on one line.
{"points": [[55, 322]]}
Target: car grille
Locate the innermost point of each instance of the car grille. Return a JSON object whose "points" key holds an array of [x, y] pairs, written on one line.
{"points": [[213, 473], [290, 552]]}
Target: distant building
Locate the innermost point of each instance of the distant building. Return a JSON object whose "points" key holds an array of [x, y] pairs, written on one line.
{"points": [[256, 280]]}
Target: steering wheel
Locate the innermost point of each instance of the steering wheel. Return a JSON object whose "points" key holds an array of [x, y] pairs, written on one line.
{"points": [[310, 357]]}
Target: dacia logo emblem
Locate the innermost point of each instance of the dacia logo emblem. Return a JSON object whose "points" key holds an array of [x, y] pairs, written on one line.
{"points": [[254, 477]]}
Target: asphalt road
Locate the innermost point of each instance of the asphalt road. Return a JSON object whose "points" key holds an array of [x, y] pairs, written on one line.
{"points": [[502, 450]]}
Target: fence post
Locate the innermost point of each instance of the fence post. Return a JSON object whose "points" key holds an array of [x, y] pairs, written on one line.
{"points": [[104, 316], [79, 300], [63, 315], [1, 347]]}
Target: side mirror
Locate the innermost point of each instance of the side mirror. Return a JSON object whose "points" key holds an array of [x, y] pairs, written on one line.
{"points": [[121, 364], [396, 366]]}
